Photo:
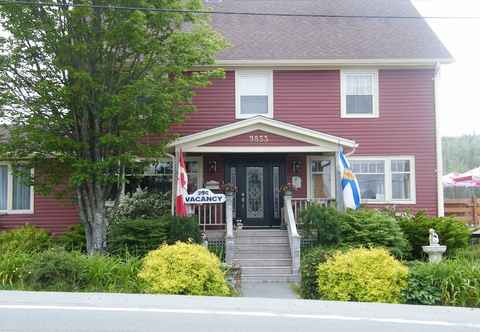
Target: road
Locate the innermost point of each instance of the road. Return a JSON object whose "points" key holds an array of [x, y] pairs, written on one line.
{"points": [[42, 311]]}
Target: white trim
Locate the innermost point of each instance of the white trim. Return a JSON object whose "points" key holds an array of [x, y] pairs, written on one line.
{"points": [[327, 62], [269, 74], [438, 143], [262, 123], [343, 77], [10, 209], [388, 179], [333, 174], [257, 149]]}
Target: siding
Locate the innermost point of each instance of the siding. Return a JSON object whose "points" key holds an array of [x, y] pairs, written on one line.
{"points": [[54, 215], [311, 99]]}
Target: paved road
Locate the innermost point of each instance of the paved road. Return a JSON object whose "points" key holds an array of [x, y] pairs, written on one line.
{"points": [[25, 311]]}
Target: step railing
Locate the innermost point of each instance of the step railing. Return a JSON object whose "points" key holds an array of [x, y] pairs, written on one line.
{"points": [[293, 236]]}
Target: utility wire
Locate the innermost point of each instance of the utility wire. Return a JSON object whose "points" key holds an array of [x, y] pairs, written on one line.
{"points": [[217, 12]]}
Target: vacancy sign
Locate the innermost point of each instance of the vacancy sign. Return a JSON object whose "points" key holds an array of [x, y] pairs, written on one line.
{"points": [[204, 196]]}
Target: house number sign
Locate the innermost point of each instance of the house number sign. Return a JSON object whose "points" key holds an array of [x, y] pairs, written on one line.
{"points": [[258, 139]]}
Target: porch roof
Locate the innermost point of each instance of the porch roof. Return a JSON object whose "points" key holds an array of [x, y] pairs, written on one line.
{"points": [[307, 140]]}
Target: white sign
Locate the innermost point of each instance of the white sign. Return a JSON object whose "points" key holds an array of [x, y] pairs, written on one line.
{"points": [[204, 196]]}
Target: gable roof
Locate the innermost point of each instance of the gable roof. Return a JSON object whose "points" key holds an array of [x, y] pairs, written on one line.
{"points": [[324, 142], [307, 38]]}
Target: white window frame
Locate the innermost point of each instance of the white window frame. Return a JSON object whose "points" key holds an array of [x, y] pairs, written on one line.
{"points": [[332, 178], [375, 104], [10, 209], [388, 179], [269, 73]]}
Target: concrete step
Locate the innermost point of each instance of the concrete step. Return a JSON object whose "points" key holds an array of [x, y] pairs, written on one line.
{"points": [[256, 255], [256, 262], [261, 233], [266, 270], [262, 240], [270, 278], [263, 247]]}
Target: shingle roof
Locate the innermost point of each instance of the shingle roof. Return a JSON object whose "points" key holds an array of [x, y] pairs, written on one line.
{"points": [[277, 37]]}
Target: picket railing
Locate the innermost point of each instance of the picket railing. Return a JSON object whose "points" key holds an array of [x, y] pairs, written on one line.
{"points": [[208, 214]]}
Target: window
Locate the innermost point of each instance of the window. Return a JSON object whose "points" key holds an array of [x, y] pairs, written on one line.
{"points": [[254, 93], [385, 179], [15, 195], [194, 173], [158, 177], [154, 178], [371, 178], [359, 94], [321, 178]]}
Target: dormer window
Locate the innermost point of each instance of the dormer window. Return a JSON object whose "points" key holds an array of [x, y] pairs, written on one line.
{"points": [[359, 93], [254, 93]]}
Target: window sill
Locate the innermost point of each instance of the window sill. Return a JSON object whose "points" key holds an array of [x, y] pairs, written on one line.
{"points": [[359, 116], [10, 212], [248, 116], [372, 202]]}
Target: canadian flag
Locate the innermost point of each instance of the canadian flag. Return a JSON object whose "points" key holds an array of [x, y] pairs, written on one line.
{"points": [[182, 181]]}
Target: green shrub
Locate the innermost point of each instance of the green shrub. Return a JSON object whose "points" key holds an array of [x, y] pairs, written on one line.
{"points": [[309, 268], [182, 229], [366, 275], [13, 269], [454, 282], [452, 233], [470, 253], [373, 229], [321, 223], [60, 270], [183, 268], [140, 205], [57, 270], [26, 239], [137, 237], [73, 239]]}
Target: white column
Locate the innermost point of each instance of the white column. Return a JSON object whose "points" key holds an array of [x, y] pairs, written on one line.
{"points": [[229, 238]]}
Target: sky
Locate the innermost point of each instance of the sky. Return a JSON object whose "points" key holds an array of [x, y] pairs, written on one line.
{"points": [[460, 81]]}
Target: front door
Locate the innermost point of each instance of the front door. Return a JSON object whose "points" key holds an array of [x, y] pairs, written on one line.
{"points": [[257, 202]]}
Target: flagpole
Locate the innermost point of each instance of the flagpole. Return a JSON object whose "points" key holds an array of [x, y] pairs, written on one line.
{"points": [[339, 192]]}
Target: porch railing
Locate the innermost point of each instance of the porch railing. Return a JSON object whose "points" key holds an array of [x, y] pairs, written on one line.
{"points": [[299, 204], [208, 214]]}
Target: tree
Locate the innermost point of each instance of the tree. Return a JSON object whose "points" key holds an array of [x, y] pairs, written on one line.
{"points": [[82, 82]]}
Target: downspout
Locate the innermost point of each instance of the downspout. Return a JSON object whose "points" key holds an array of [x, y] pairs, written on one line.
{"points": [[440, 198], [174, 173]]}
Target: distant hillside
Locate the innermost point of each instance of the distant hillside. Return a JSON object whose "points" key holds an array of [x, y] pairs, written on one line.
{"points": [[460, 153]]}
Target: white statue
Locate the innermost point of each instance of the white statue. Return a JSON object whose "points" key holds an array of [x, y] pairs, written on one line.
{"points": [[434, 241]]}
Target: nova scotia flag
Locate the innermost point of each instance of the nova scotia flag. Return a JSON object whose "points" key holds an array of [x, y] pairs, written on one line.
{"points": [[350, 188]]}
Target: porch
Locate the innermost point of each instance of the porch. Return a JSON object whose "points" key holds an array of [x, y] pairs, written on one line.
{"points": [[277, 169]]}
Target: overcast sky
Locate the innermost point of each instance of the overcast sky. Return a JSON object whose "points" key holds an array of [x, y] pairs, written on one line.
{"points": [[460, 85]]}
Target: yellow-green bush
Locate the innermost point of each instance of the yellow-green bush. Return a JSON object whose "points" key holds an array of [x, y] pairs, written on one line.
{"points": [[183, 268], [366, 275]]}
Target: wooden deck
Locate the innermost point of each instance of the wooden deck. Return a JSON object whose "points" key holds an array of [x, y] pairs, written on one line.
{"points": [[467, 210]]}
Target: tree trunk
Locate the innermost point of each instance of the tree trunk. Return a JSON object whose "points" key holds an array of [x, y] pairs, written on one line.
{"points": [[92, 216]]}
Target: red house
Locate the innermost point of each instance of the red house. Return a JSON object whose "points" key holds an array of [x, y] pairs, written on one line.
{"points": [[298, 89]]}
